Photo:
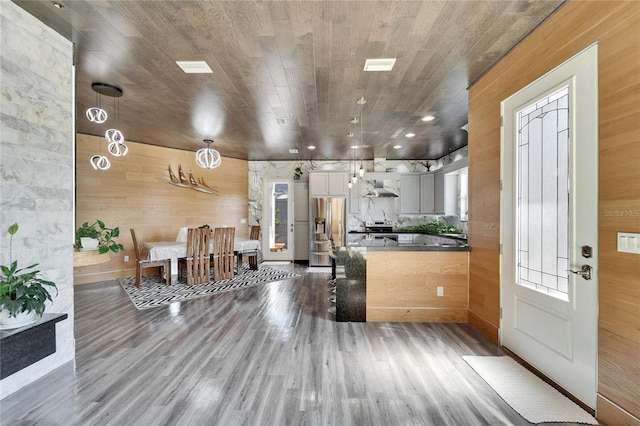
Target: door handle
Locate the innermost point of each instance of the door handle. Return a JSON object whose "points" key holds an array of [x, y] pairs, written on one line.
{"points": [[585, 272]]}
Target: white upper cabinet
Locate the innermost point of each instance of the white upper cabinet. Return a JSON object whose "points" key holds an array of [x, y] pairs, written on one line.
{"points": [[439, 192], [427, 200], [327, 184], [417, 193]]}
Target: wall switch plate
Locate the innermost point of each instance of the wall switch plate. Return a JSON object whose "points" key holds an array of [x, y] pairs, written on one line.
{"points": [[440, 291], [243, 220], [629, 242], [126, 258]]}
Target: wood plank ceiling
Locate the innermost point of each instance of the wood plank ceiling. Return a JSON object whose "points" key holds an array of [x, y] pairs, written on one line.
{"points": [[300, 61]]}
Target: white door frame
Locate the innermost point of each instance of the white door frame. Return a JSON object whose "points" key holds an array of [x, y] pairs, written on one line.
{"points": [[580, 353]]}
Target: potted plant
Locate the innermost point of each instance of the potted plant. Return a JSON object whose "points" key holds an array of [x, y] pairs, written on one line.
{"points": [[23, 292], [101, 235], [297, 174]]}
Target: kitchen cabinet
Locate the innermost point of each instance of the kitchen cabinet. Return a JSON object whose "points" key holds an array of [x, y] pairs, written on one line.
{"points": [[354, 198], [417, 193], [301, 202], [301, 240], [301, 221], [438, 192], [327, 184]]}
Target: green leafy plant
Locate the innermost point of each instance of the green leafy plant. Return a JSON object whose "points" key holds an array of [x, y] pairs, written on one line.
{"points": [[22, 290], [297, 174], [435, 226], [100, 232]]}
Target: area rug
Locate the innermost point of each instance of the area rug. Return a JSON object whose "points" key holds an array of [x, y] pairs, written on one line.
{"points": [[153, 292], [530, 396]]}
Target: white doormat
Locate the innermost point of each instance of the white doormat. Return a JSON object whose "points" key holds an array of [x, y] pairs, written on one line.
{"points": [[530, 396]]}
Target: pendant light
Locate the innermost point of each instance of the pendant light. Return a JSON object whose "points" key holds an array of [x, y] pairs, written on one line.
{"points": [[208, 158], [98, 115], [99, 161], [115, 137], [354, 178], [350, 136], [361, 102]]}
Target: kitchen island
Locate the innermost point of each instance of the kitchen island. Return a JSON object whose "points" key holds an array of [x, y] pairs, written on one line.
{"points": [[382, 279]]}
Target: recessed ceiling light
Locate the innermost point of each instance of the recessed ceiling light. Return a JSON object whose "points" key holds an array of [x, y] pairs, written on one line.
{"points": [[355, 146], [194, 67], [293, 151], [428, 118], [381, 64], [410, 135], [57, 4], [397, 146], [311, 147]]}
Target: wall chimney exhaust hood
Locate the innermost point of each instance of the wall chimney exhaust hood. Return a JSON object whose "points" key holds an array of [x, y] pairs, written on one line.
{"points": [[380, 190]]}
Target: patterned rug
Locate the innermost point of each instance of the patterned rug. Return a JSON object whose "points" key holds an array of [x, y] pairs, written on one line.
{"points": [[153, 292]]}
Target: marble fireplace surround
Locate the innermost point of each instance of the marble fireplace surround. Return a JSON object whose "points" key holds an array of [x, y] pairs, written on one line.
{"points": [[371, 208]]}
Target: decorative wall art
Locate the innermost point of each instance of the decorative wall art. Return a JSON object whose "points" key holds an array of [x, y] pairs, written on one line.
{"points": [[183, 181]]}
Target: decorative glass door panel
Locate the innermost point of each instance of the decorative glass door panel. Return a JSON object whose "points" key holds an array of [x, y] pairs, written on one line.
{"points": [[543, 195]]}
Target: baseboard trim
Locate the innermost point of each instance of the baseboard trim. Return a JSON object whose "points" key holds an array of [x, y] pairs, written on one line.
{"points": [[399, 314], [610, 413], [484, 327]]}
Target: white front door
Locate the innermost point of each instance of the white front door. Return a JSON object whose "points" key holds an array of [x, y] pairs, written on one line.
{"points": [[277, 220], [549, 221]]}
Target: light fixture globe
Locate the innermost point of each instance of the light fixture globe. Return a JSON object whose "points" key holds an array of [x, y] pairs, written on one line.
{"points": [[208, 158], [114, 135], [100, 162], [96, 115]]}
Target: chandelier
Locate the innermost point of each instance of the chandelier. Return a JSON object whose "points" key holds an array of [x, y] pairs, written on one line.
{"points": [[98, 115], [208, 158]]}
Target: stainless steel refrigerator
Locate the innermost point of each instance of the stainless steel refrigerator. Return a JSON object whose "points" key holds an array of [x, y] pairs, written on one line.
{"points": [[328, 225]]}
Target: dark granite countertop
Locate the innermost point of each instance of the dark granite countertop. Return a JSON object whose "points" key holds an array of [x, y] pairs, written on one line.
{"points": [[418, 247], [459, 237]]}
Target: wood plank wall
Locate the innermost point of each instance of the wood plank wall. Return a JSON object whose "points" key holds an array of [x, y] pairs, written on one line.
{"points": [[616, 27], [134, 193], [402, 286]]}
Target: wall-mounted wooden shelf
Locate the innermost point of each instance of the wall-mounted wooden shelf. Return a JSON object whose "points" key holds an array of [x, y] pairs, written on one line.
{"points": [[87, 258]]}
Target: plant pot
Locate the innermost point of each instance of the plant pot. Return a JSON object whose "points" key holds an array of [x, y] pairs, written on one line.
{"points": [[22, 319], [89, 243]]}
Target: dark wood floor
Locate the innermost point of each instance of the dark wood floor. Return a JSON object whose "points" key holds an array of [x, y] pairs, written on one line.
{"points": [[267, 355]]}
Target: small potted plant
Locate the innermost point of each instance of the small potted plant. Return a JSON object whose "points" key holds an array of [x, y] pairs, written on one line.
{"points": [[23, 292], [297, 173], [97, 236]]}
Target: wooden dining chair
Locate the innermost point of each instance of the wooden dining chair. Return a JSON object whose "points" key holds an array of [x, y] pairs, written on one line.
{"points": [[223, 256], [143, 262], [252, 256], [198, 259]]}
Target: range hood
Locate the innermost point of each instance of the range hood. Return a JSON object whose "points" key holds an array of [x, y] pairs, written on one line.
{"points": [[380, 190]]}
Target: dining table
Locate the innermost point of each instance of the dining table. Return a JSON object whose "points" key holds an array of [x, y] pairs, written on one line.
{"points": [[158, 250]]}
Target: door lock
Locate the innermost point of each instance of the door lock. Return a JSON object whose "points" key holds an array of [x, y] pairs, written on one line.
{"points": [[585, 272]]}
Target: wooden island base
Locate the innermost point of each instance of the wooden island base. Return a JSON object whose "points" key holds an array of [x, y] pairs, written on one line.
{"points": [[403, 286]]}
